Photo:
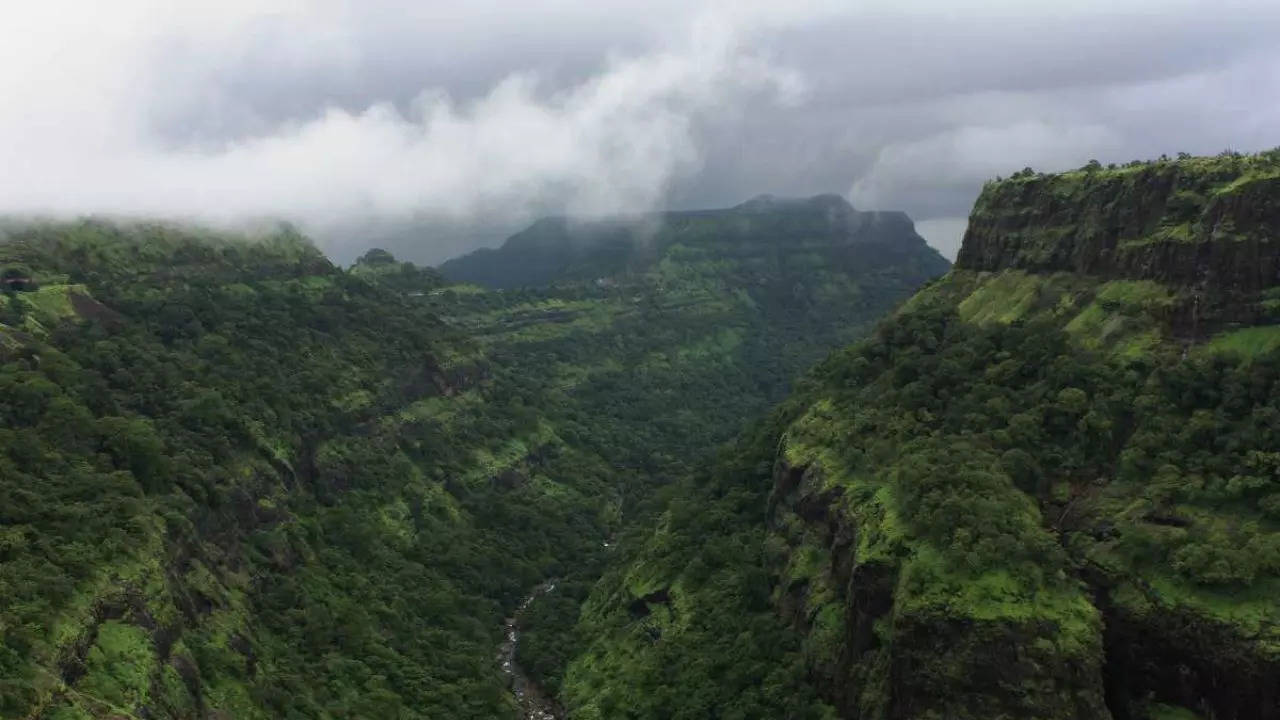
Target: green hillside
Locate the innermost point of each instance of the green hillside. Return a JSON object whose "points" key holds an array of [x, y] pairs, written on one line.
{"points": [[1044, 488], [237, 481]]}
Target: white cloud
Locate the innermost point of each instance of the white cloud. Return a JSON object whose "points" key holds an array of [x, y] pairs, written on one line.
{"points": [[78, 120], [966, 156], [944, 234], [340, 111]]}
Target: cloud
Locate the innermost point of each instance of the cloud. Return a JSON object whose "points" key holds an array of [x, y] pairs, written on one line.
{"points": [[961, 158], [351, 114], [944, 234], [934, 166], [85, 140]]}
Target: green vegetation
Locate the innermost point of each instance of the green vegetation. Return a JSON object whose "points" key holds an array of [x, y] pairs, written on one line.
{"points": [[993, 481], [682, 625], [235, 479], [1247, 342], [1005, 298], [238, 481], [1221, 173], [1022, 497], [814, 242], [1144, 221]]}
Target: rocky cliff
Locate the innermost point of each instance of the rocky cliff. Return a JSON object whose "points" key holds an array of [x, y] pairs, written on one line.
{"points": [[1208, 227], [1048, 487]]}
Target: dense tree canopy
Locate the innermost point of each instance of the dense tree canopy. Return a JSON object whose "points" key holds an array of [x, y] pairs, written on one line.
{"points": [[236, 478]]}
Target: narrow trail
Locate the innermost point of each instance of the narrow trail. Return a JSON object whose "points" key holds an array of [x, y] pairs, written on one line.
{"points": [[534, 704]]}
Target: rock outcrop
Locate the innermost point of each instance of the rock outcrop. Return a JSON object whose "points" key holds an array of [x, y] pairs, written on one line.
{"points": [[1209, 227]]}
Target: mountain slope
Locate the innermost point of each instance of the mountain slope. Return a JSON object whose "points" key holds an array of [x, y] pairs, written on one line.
{"points": [[1045, 488], [237, 481]]}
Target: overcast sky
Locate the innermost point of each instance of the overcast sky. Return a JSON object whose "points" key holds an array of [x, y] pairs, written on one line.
{"points": [[355, 117]]}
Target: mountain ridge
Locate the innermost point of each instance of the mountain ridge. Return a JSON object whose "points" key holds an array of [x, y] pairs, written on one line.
{"points": [[566, 249]]}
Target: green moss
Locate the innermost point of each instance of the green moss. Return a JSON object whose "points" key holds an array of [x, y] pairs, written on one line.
{"points": [[1248, 342], [1139, 345], [931, 584], [1136, 295], [1241, 183], [1160, 711], [1097, 327], [1006, 297], [73, 712], [1177, 233], [119, 666], [808, 562], [1250, 612], [51, 303], [1124, 318], [828, 631]]}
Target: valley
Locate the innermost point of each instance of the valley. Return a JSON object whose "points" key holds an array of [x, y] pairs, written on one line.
{"points": [[690, 360], [534, 705], [774, 460], [240, 480]]}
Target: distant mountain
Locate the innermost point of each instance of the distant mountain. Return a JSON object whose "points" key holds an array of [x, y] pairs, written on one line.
{"points": [[559, 249]]}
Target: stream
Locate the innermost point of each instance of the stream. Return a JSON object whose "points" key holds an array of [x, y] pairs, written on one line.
{"points": [[534, 704]]}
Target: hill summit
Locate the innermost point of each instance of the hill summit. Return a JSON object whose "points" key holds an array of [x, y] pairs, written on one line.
{"points": [[1206, 228], [562, 249]]}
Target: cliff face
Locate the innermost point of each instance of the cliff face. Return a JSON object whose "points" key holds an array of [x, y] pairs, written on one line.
{"points": [[1209, 227], [1048, 486]]}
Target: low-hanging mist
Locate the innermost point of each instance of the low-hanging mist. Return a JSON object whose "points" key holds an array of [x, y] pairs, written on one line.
{"points": [[450, 127]]}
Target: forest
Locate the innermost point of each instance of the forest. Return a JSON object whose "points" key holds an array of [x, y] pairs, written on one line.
{"points": [[239, 481], [639, 360]]}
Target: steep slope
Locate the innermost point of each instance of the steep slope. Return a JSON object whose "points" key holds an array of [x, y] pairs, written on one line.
{"points": [[1204, 227], [237, 481], [1045, 488]]}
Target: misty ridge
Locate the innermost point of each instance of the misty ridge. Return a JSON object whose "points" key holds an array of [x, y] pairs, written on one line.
{"points": [[416, 126], [820, 360]]}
